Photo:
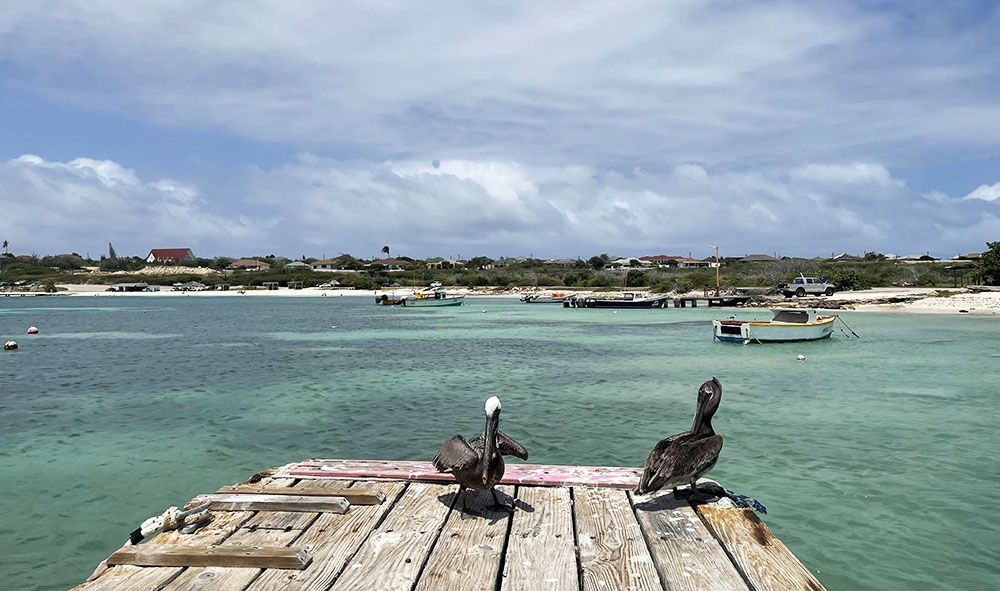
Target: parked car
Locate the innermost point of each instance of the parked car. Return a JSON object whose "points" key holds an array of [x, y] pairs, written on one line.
{"points": [[803, 285]]}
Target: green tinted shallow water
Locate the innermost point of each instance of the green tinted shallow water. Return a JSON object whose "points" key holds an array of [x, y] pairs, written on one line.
{"points": [[878, 458]]}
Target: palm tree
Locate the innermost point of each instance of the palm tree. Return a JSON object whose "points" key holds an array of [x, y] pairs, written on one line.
{"points": [[385, 249]]}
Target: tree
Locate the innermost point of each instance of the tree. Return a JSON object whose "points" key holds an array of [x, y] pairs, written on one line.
{"points": [[874, 256], [111, 252], [988, 269], [385, 250], [596, 262], [5, 245]]}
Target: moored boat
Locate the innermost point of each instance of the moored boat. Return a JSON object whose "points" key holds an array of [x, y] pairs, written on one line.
{"points": [[556, 298], [388, 300], [786, 326], [628, 300], [433, 297]]}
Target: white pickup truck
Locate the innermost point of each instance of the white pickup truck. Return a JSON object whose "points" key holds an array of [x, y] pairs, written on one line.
{"points": [[803, 285]]}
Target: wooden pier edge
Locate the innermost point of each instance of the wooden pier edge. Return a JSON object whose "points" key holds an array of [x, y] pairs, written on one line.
{"points": [[573, 528]]}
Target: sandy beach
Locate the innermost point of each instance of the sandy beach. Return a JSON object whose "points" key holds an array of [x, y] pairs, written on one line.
{"points": [[923, 300]]}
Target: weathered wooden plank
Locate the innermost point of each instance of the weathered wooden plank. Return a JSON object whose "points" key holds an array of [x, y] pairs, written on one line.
{"points": [[212, 578], [540, 549], [137, 578], [359, 496], [685, 554], [332, 539], [391, 558], [765, 561], [526, 474], [257, 502], [613, 553], [288, 519], [235, 556], [467, 554]]}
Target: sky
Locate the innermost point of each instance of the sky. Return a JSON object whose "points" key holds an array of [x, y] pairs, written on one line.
{"points": [[460, 129]]}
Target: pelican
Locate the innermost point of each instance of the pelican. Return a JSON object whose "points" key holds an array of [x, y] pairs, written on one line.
{"points": [[682, 458], [478, 464]]}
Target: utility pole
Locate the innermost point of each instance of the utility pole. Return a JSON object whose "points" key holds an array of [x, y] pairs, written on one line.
{"points": [[718, 276]]}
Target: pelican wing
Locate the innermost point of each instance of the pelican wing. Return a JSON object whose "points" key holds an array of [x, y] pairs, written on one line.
{"points": [[679, 459], [506, 445], [455, 454], [509, 447]]}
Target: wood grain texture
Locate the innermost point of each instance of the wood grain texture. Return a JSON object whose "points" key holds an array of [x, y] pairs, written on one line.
{"points": [[268, 502], [392, 557], [686, 555], [209, 578], [234, 556], [526, 474], [467, 554], [137, 578], [332, 539], [766, 562], [613, 553], [358, 496], [540, 549], [288, 519]]}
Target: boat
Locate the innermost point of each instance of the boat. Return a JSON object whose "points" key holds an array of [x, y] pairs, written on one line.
{"points": [[388, 300], [432, 297], [556, 298], [629, 300], [786, 326]]}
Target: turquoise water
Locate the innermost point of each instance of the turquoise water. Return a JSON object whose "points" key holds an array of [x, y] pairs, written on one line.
{"points": [[877, 458]]}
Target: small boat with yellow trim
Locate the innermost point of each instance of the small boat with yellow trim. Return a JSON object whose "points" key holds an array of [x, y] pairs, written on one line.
{"points": [[432, 297], [788, 325], [388, 300]]}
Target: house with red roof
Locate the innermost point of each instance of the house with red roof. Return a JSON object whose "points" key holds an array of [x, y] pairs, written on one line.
{"points": [[169, 255]]}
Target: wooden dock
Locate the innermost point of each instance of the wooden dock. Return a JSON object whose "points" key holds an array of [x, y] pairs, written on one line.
{"points": [[574, 528]]}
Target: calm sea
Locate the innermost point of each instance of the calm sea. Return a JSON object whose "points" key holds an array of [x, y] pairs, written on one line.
{"points": [[877, 458]]}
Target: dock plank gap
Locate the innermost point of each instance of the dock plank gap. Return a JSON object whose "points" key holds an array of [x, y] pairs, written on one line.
{"points": [[339, 525]]}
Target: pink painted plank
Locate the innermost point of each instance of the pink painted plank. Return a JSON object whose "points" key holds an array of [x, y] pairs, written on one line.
{"points": [[529, 474]]}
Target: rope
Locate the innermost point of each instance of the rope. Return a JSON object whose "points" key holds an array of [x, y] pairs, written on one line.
{"points": [[848, 327]]}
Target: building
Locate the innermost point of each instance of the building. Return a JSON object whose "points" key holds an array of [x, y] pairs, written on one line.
{"points": [[845, 257], [327, 265], [756, 258], [298, 266], [249, 265], [169, 255], [391, 264], [561, 262]]}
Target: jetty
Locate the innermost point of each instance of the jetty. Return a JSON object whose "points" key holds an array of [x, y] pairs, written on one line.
{"points": [[392, 525]]}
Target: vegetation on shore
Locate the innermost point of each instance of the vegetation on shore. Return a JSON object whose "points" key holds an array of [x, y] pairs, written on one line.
{"points": [[871, 271]]}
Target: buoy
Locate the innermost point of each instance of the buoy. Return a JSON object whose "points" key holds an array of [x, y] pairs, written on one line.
{"points": [[10, 346], [801, 358], [32, 330]]}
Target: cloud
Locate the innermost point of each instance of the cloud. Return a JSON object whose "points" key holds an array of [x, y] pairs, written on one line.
{"points": [[604, 84], [985, 192], [485, 207], [314, 206], [82, 204]]}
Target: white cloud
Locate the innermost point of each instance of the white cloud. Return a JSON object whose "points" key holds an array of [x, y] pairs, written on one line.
{"points": [[600, 84], [82, 204], [473, 207], [314, 206], [985, 192]]}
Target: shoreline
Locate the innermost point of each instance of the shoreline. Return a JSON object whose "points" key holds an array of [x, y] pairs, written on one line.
{"points": [[904, 300]]}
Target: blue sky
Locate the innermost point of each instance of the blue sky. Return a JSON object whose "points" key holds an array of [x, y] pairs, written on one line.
{"points": [[500, 128]]}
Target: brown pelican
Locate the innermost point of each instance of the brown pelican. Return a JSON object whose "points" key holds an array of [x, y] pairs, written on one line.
{"points": [[682, 458], [478, 464]]}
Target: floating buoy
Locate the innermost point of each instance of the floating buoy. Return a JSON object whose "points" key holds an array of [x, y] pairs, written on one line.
{"points": [[10, 346], [32, 330], [746, 342], [801, 358]]}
